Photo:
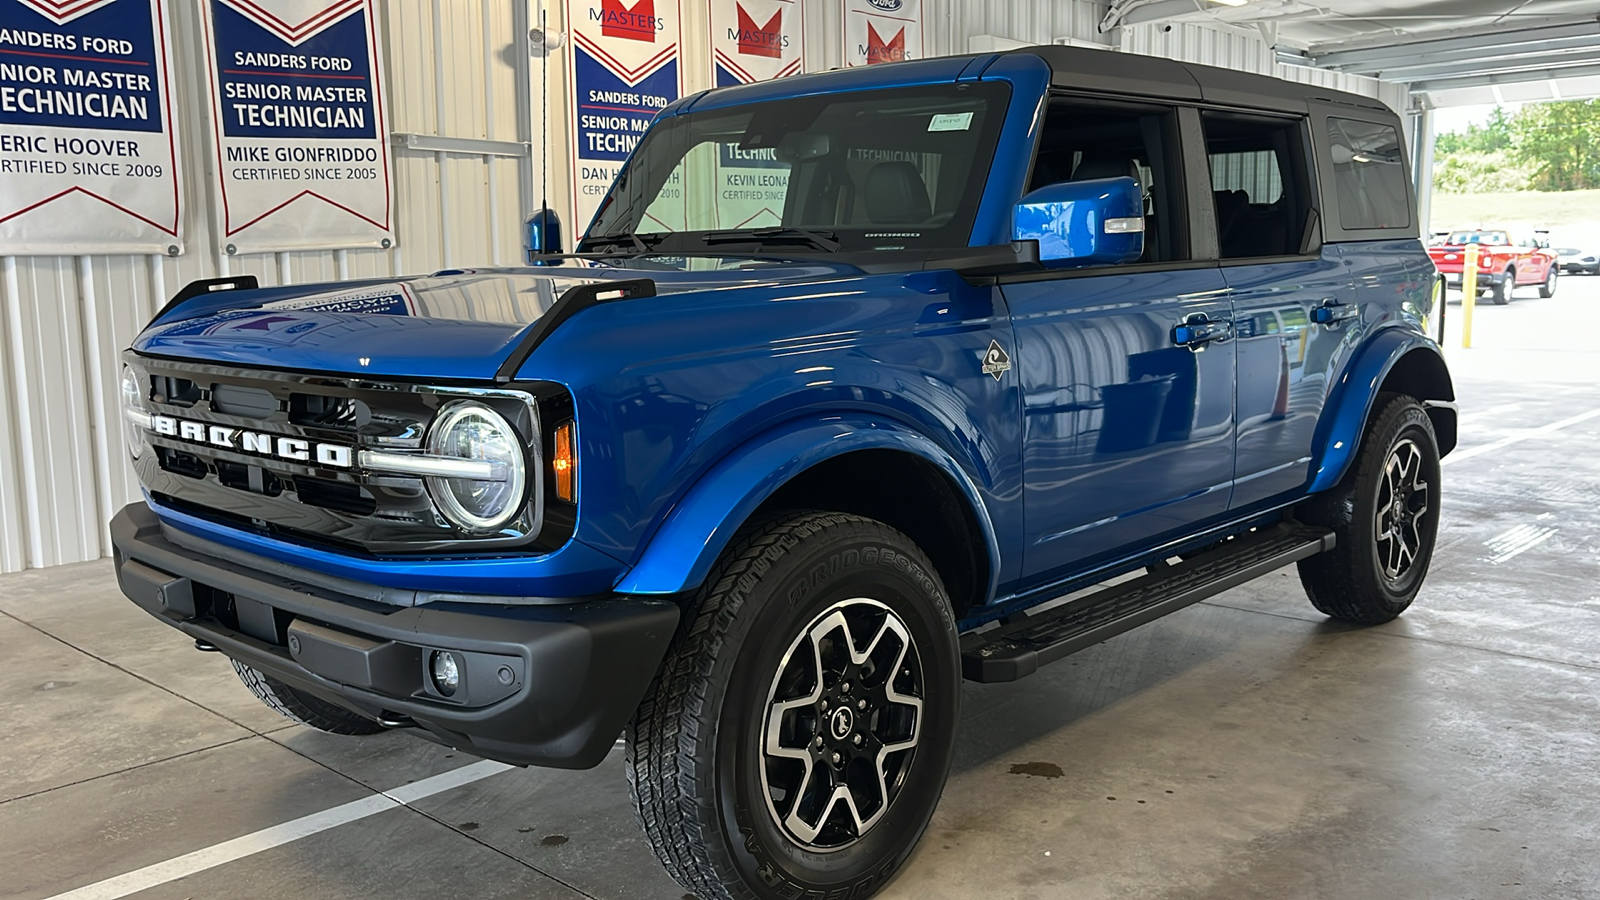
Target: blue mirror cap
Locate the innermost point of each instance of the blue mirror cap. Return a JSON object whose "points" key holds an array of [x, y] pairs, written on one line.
{"points": [[1083, 223], [543, 233]]}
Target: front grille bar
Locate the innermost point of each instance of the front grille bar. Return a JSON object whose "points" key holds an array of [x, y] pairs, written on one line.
{"points": [[422, 464]]}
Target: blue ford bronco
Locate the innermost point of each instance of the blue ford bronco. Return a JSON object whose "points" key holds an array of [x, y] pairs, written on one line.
{"points": [[756, 476]]}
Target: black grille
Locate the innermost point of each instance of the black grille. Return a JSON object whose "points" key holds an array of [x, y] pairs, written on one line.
{"points": [[320, 411], [377, 512], [335, 495], [172, 391], [245, 477], [181, 462], [245, 402]]}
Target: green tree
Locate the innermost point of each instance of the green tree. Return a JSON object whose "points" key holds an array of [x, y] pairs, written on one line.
{"points": [[1544, 146], [1561, 141], [1471, 172], [1492, 136]]}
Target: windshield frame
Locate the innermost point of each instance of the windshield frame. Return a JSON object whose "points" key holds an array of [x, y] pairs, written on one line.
{"points": [[956, 233]]}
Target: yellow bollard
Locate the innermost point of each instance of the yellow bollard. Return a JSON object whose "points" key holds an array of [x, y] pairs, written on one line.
{"points": [[1469, 294]]}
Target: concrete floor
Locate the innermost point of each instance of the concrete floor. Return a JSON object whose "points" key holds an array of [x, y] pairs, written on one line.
{"points": [[1243, 748]]}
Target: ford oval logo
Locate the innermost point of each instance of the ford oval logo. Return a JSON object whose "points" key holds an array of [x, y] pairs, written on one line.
{"points": [[1449, 256], [887, 5]]}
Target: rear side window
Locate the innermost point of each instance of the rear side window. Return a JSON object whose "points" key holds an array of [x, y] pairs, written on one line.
{"points": [[1368, 174], [1255, 172], [1259, 180]]}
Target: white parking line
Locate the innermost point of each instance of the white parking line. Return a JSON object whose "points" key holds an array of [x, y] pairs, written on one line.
{"points": [[1517, 541], [278, 835], [1541, 431], [1481, 414]]}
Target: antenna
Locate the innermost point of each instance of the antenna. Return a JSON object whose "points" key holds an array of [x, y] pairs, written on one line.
{"points": [[544, 112], [541, 41]]}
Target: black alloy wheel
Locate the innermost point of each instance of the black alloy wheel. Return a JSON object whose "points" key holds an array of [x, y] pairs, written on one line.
{"points": [[843, 717], [1384, 513], [1402, 510], [797, 738]]}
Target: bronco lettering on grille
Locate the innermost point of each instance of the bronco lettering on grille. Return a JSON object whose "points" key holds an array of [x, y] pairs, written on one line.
{"points": [[292, 449]]}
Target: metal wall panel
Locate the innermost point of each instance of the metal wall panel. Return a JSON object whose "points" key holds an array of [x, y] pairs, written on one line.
{"points": [[1247, 52], [1029, 21], [454, 68]]}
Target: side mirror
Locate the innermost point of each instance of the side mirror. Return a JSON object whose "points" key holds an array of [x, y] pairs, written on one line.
{"points": [[1083, 223], [544, 233]]}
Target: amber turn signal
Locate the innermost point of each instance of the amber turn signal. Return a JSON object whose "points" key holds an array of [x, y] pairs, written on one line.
{"points": [[565, 463]]}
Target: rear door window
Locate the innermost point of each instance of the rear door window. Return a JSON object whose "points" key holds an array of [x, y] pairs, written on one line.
{"points": [[1369, 175], [1259, 180]]}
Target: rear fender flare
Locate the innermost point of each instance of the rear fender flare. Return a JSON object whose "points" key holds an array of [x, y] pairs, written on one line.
{"points": [[1350, 403], [681, 552]]}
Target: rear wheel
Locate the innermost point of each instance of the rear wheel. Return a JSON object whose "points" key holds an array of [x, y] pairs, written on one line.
{"points": [[1501, 292], [1385, 513], [797, 738], [1548, 289], [299, 706]]}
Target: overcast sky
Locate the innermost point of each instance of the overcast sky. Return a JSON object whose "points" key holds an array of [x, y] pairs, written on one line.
{"points": [[1457, 118]]}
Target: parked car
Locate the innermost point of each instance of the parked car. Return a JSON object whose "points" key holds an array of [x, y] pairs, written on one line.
{"points": [[1502, 265], [758, 499], [1574, 261]]}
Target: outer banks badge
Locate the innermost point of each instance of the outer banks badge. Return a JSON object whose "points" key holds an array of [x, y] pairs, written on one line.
{"points": [[996, 362]]}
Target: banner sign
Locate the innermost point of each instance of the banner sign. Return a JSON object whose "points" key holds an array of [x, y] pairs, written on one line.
{"points": [[299, 127], [880, 31], [756, 40], [88, 156], [623, 69]]}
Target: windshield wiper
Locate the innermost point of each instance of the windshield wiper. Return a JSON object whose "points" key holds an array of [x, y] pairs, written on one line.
{"points": [[626, 240], [819, 240]]}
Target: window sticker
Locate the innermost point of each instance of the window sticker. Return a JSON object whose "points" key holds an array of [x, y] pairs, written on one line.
{"points": [[950, 122]]}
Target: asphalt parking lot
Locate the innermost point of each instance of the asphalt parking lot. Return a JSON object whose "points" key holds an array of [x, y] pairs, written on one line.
{"points": [[1243, 748]]}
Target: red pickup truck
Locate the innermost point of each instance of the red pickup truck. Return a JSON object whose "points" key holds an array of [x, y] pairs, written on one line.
{"points": [[1502, 265]]}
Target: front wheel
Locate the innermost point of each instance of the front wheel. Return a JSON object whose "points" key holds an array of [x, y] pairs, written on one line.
{"points": [[798, 735], [1385, 514], [1548, 289]]}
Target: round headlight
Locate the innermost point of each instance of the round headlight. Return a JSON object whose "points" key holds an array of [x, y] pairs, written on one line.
{"points": [[135, 414], [472, 431]]}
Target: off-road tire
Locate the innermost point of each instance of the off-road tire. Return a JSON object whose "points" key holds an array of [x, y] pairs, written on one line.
{"points": [[1349, 582], [1500, 292], [298, 706], [694, 754], [1548, 289]]}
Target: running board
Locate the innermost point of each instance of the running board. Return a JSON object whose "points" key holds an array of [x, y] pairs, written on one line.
{"points": [[1025, 642]]}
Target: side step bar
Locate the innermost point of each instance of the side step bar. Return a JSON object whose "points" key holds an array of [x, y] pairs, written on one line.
{"points": [[1025, 642]]}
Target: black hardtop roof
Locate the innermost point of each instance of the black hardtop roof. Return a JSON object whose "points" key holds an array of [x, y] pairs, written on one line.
{"points": [[1138, 75]]}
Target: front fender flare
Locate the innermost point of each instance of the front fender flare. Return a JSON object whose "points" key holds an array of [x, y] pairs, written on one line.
{"points": [[681, 552], [1350, 403]]}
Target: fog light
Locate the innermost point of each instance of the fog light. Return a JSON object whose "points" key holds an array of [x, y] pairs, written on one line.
{"points": [[446, 674]]}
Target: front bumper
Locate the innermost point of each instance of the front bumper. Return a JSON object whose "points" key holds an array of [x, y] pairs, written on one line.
{"points": [[548, 684]]}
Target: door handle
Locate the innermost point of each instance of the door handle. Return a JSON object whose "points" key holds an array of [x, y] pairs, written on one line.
{"points": [[1331, 312], [1199, 329]]}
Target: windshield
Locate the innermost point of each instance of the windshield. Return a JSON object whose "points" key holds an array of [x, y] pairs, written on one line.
{"points": [[1479, 237], [863, 170]]}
